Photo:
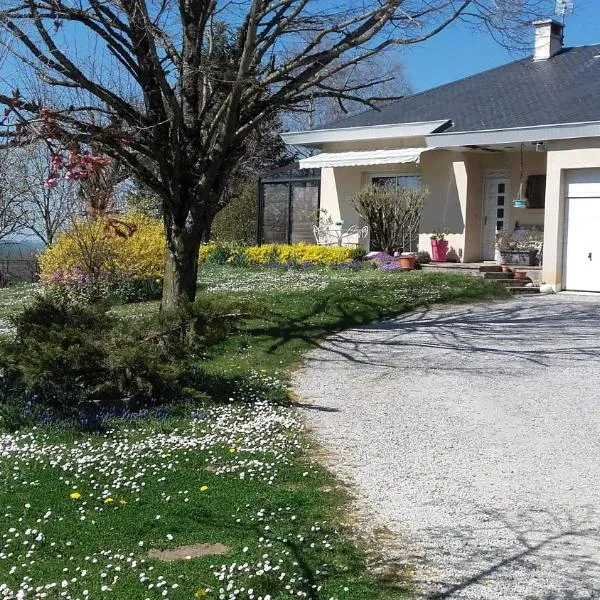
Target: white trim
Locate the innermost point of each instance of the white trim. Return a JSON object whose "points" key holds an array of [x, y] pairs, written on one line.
{"points": [[537, 133], [362, 158], [317, 137]]}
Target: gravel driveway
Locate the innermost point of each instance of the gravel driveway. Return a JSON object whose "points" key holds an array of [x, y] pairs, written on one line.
{"points": [[473, 433]]}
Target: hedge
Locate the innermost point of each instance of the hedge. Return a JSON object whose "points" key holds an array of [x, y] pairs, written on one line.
{"points": [[280, 254], [91, 251]]}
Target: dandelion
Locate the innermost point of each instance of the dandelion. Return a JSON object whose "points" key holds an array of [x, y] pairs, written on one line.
{"points": [[232, 450], [201, 593], [203, 488], [108, 500], [74, 495]]}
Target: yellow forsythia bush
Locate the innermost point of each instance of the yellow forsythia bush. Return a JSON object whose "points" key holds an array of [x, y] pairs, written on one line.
{"points": [[279, 253], [303, 253], [89, 247]]}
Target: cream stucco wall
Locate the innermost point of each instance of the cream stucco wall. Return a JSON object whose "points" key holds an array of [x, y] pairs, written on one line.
{"points": [[562, 156], [456, 182], [442, 210], [337, 188], [534, 163], [445, 178]]}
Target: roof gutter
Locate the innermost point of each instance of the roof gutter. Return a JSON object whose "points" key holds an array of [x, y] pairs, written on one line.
{"points": [[537, 133], [317, 137]]}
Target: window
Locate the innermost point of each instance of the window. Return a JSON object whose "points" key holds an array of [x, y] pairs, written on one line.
{"points": [[536, 191], [400, 180], [404, 180]]}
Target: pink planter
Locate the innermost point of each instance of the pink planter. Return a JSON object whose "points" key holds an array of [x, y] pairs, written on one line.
{"points": [[439, 250]]}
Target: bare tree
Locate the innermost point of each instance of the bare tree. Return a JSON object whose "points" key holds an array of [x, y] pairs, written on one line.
{"points": [[11, 198], [175, 90], [386, 81], [44, 211]]}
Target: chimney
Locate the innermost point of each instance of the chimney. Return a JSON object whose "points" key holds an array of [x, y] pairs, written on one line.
{"points": [[548, 39]]}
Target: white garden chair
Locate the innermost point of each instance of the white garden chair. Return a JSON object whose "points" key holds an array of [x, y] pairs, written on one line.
{"points": [[335, 235]]}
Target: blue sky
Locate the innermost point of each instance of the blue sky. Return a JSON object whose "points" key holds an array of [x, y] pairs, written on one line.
{"points": [[459, 51]]}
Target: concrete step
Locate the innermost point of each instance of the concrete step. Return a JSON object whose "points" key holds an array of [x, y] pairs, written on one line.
{"points": [[490, 269], [498, 275], [524, 290], [512, 282]]}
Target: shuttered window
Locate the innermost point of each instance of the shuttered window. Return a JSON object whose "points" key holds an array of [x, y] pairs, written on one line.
{"points": [[536, 191]]}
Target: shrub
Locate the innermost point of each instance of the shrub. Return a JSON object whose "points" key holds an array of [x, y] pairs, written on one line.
{"points": [[94, 260], [89, 250], [423, 257], [66, 357], [113, 288], [53, 354], [236, 223], [215, 254], [283, 254], [393, 215]]}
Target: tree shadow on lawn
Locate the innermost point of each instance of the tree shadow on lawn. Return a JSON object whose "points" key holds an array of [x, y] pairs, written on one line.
{"points": [[280, 328], [316, 568], [321, 318], [539, 334]]}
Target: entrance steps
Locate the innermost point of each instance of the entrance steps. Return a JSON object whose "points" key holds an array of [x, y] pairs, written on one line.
{"points": [[493, 271], [507, 279]]}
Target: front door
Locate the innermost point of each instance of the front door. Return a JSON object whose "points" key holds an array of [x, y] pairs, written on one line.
{"points": [[495, 212]]}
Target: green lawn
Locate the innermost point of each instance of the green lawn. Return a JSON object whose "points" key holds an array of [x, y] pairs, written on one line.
{"points": [[237, 472], [12, 299]]}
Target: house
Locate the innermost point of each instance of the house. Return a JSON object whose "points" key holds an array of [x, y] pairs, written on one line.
{"points": [[531, 127]]}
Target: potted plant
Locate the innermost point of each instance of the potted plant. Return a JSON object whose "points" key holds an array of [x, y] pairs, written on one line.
{"points": [[407, 261], [518, 249], [439, 245]]}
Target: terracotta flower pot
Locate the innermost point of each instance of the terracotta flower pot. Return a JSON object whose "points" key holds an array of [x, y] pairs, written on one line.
{"points": [[439, 250], [520, 274], [407, 262]]}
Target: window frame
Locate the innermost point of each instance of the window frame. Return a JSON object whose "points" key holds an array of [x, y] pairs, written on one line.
{"points": [[372, 176], [529, 187]]}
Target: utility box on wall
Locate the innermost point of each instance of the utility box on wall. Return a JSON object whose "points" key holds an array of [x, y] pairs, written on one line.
{"points": [[287, 199]]}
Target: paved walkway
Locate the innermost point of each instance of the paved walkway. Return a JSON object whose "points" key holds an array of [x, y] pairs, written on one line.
{"points": [[474, 434]]}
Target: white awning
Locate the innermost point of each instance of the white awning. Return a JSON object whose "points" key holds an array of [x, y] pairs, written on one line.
{"points": [[359, 159]]}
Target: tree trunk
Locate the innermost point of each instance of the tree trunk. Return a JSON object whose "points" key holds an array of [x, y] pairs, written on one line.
{"points": [[184, 234], [181, 269]]}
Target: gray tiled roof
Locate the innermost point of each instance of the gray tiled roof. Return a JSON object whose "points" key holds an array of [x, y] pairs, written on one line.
{"points": [[563, 89]]}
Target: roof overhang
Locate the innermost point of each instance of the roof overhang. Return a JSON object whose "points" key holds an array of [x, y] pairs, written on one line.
{"points": [[317, 137], [364, 158], [537, 133]]}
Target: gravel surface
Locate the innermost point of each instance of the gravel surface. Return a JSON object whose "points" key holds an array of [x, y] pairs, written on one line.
{"points": [[473, 433]]}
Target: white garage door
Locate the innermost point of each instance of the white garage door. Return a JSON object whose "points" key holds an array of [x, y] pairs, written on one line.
{"points": [[582, 231]]}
